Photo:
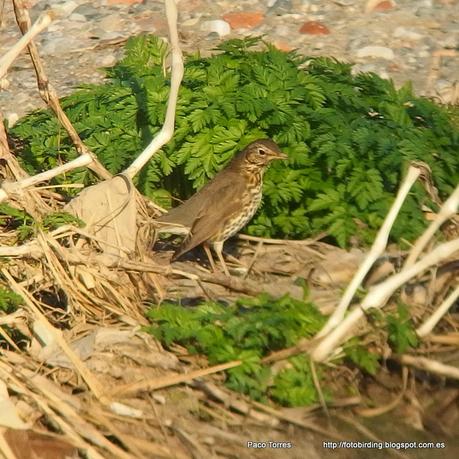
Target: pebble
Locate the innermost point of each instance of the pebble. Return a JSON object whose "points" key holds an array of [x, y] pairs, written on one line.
{"points": [[402, 32], [218, 26], [314, 28], [76, 17], [397, 42], [383, 5], [88, 10], [379, 52], [108, 61], [65, 8], [244, 20]]}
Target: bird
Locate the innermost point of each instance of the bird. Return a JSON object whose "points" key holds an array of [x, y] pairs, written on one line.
{"points": [[225, 204]]}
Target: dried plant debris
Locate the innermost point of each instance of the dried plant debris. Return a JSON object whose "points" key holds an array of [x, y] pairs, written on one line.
{"points": [[110, 351]]}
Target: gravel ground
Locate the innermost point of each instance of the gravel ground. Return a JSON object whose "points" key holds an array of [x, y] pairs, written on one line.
{"points": [[415, 40]]}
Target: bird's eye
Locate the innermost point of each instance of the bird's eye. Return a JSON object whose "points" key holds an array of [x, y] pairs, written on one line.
{"points": [[262, 152]]}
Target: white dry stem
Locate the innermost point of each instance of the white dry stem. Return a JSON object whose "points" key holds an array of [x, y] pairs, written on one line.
{"points": [[43, 21], [430, 365], [167, 131], [430, 323], [376, 250], [86, 159], [448, 210], [378, 296], [8, 188], [31, 250]]}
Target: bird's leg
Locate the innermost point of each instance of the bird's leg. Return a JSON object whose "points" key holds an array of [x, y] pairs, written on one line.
{"points": [[209, 256], [218, 247]]}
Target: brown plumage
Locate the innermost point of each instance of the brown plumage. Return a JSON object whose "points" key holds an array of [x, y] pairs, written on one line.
{"points": [[226, 203]]}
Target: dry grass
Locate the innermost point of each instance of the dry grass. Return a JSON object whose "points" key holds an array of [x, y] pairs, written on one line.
{"points": [[79, 376]]}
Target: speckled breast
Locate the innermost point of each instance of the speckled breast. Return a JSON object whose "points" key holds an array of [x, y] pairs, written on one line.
{"points": [[250, 203]]}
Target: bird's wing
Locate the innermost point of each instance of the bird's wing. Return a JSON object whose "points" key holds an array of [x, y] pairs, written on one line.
{"points": [[186, 213], [220, 204]]}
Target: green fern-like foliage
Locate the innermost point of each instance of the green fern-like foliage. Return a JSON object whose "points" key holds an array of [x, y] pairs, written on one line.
{"points": [[349, 137], [248, 331]]}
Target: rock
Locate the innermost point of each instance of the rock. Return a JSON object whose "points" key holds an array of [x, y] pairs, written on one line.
{"points": [[282, 30], [108, 61], [75, 17], [65, 9], [218, 26], [401, 32], [4, 84], [283, 45], [88, 10], [191, 22], [380, 52], [62, 45], [244, 20], [124, 2], [188, 5], [12, 118], [280, 6], [111, 23], [379, 5], [385, 5], [314, 28]]}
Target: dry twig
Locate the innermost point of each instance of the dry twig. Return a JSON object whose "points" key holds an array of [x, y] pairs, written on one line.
{"points": [[376, 250], [432, 366], [167, 381], [43, 21], [378, 296]]}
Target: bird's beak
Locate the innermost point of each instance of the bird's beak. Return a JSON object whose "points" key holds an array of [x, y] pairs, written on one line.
{"points": [[280, 155]]}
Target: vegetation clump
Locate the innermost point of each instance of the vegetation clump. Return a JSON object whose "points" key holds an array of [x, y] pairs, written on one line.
{"points": [[253, 328], [247, 330], [348, 137]]}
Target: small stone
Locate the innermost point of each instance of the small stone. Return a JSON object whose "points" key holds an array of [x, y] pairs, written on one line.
{"points": [[282, 30], [65, 9], [108, 61], [101, 34], [283, 45], [450, 41], [123, 2], [244, 20], [12, 119], [218, 26], [88, 10], [401, 32], [346, 3], [380, 52], [212, 36], [318, 45], [111, 23], [145, 25], [379, 5], [4, 84], [190, 22], [61, 45], [189, 5], [75, 17], [280, 6], [314, 28], [385, 5]]}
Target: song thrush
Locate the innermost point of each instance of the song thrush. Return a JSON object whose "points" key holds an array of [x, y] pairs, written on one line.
{"points": [[226, 203]]}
